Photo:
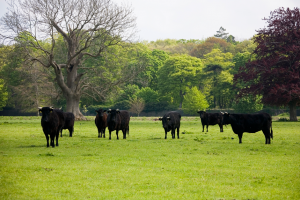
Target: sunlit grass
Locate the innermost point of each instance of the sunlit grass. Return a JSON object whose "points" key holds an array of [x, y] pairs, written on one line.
{"points": [[146, 166]]}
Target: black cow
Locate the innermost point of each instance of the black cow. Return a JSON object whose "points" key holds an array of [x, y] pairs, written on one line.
{"points": [[118, 120], [250, 123], [170, 122], [69, 123], [210, 119], [51, 124], [101, 122]]}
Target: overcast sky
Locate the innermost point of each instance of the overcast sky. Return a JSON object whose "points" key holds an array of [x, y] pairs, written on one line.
{"points": [[198, 19]]}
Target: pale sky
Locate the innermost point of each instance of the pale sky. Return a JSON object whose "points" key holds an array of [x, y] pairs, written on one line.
{"points": [[198, 19]]}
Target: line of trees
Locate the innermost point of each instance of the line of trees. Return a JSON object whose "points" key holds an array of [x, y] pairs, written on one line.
{"points": [[76, 54]]}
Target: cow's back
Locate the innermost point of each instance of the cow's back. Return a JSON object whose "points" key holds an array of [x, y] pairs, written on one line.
{"points": [[61, 118], [251, 122], [69, 119], [124, 119]]}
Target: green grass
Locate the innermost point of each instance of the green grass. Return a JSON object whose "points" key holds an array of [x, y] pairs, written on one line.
{"points": [[145, 165]]}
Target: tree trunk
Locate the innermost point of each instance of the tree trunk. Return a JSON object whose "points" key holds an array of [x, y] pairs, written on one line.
{"points": [[73, 106], [293, 110]]}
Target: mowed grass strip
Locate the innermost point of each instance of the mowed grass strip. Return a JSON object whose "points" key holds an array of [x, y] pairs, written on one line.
{"points": [[146, 166]]}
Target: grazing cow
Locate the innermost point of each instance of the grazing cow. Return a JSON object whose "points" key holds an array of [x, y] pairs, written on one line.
{"points": [[210, 119], [250, 123], [170, 122], [101, 122], [69, 123], [51, 124], [118, 120]]}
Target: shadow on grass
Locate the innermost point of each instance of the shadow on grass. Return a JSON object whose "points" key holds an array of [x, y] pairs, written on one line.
{"points": [[32, 146]]}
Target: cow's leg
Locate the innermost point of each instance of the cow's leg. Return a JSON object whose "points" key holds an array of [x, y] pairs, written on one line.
{"points": [[173, 133], [166, 134], [203, 128], [178, 133], [71, 130], [124, 133], [109, 134], [117, 132], [99, 133], [47, 138], [267, 136], [57, 136], [240, 137], [61, 132], [52, 140], [221, 127], [206, 127], [104, 133]]}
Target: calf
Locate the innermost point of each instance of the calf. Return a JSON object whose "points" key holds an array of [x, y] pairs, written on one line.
{"points": [[101, 122], [250, 123], [69, 123], [51, 124], [118, 120], [171, 121], [210, 119]]}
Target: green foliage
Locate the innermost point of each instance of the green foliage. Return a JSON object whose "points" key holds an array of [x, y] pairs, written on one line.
{"points": [[148, 94], [145, 165], [248, 104], [3, 95], [194, 100], [129, 92], [177, 74]]}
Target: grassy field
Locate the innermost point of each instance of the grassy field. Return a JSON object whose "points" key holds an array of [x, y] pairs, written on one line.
{"points": [[145, 165]]}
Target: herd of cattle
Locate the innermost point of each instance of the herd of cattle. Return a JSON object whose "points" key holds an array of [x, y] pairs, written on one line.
{"points": [[55, 120]]}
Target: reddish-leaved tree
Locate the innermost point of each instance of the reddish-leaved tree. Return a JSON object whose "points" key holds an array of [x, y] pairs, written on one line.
{"points": [[275, 73]]}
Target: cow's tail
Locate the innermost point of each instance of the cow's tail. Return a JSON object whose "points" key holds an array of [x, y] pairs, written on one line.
{"points": [[271, 132]]}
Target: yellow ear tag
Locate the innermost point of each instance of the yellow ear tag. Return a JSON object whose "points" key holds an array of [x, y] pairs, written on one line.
{"points": [[40, 111], [50, 111]]}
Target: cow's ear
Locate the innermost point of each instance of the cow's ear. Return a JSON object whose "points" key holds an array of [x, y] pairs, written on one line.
{"points": [[104, 110], [96, 110], [222, 113], [160, 118]]}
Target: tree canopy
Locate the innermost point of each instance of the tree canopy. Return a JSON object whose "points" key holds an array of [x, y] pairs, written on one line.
{"points": [[275, 72]]}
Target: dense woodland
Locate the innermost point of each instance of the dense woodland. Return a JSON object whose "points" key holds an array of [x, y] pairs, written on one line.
{"points": [[177, 74], [167, 74]]}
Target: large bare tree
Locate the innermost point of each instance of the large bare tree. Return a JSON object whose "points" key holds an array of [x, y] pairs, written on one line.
{"points": [[88, 28]]}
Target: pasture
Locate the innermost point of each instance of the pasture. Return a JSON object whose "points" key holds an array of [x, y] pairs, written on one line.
{"points": [[199, 165]]}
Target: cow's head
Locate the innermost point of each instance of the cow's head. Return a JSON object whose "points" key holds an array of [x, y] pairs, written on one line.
{"points": [[226, 118], [166, 122], [100, 112], [202, 113], [113, 114], [46, 112]]}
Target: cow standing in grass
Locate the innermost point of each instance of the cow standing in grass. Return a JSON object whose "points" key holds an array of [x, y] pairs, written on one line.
{"points": [[101, 122], [118, 120], [250, 123], [170, 122], [51, 124], [69, 123], [211, 119]]}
